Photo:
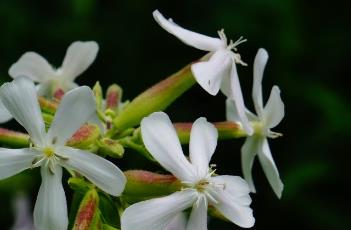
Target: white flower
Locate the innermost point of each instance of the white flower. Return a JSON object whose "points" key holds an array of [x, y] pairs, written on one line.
{"points": [[49, 150], [79, 57], [228, 194], [4, 114], [219, 72], [267, 117]]}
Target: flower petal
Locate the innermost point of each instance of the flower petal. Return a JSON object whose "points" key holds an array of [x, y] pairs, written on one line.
{"points": [[234, 200], [101, 172], [198, 215], [270, 169], [248, 153], [34, 66], [79, 57], [45, 89], [156, 214], [203, 142], [178, 222], [21, 101], [50, 211], [274, 109], [190, 38], [4, 114], [76, 107], [209, 74], [161, 140], [13, 161], [231, 88], [259, 65]]}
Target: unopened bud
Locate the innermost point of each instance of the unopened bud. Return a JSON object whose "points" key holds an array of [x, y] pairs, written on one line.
{"points": [[84, 137], [110, 148], [47, 106], [97, 90], [13, 139], [113, 97], [58, 94]]}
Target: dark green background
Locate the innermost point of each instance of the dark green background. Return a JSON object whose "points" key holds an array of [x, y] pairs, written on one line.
{"points": [[309, 47]]}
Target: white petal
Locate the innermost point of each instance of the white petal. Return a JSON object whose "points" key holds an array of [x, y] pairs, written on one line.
{"points": [[231, 88], [203, 142], [161, 140], [101, 172], [234, 200], [45, 89], [178, 222], [79, 57], [50, 211], [274, 109], [231, 113], [209, 74], [248, 153], [259, 65], [190, 38], [156, 214], [34, 66], [21, 101], [13, 161], [198, 215], [4, 114], [76, 107], [270, 169]]}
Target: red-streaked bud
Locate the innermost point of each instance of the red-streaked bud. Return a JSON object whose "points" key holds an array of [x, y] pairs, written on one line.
{"points": [[58, 94], [88, 215], [156, 98], [13, 138], [142, 185], [113, 97], [110, 148], [84, 137], [47, 106], [226, 130]]}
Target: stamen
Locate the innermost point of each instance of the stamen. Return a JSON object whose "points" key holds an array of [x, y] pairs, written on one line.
{"points": [[274, 135]]}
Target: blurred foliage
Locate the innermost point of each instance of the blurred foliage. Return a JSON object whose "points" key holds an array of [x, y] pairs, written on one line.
{"points": [[308, 43]]}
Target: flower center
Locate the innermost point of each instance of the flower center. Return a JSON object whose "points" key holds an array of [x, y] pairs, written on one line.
{"points": [[48, 152], [202, 185]]}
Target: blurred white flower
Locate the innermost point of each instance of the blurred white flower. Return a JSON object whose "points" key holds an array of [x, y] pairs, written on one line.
{"points": [[219, 71], [228, 194], [22, 212], [79, 56], [49, 151], [267, 117]]}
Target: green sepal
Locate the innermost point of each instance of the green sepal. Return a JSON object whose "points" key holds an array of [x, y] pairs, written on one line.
{"points": [[97, 90], [156, 98], [110, 147]]}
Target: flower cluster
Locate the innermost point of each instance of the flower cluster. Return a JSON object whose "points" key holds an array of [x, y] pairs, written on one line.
{"points": [[76, 127]]}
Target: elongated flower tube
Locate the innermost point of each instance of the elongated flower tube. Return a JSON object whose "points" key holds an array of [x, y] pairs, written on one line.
{"points": [[267, 117], [49, 151], [219, 71], [79, 56], [228, 194]]}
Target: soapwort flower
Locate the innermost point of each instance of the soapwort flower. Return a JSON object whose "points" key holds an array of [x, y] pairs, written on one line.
{"points": [[48, 150], [79, 56], [201, 187], [267, 117], [219, 71]]}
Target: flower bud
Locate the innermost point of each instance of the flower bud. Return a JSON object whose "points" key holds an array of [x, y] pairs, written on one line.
{"points": [[84, 137], [13, 139], [110, 148], [97, 90], [113, 97], [47, 106], [142, 185]]}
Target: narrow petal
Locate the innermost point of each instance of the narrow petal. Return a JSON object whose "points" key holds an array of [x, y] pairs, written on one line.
{"points": [[248, 153], [50, 211], [270, 169], [14, 161], [156, 214], [274, 109], [209, 74], [21, 101], [232, 113], [161, 140], [34, 66], [76, 107], [231, 88], [178, 222], [203, 142], [198, 215], [234, 200], [45, 88], [259, 65], [190, 38], [79, 57], [101, 172], [5, 115]]}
